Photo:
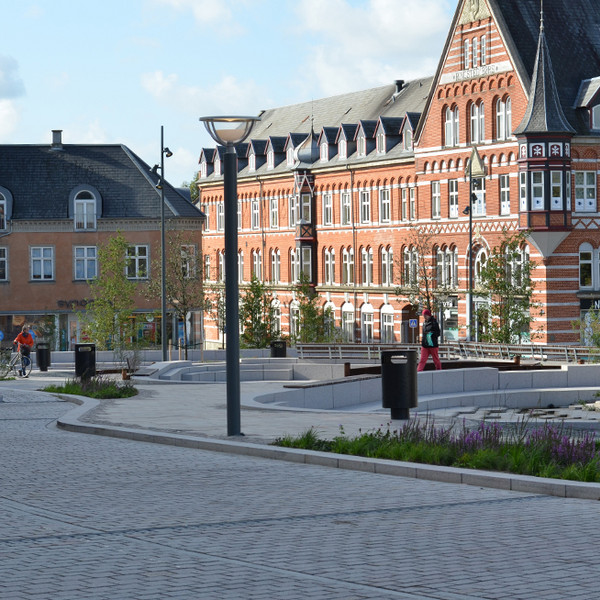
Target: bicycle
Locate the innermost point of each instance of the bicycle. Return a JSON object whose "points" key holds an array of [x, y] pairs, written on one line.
{"points": [[18, 363]]}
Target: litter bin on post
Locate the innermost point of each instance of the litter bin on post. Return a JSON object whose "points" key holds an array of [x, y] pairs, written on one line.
{"points": [[278, 349], [42, 356], [399, 382], [85, 360]]}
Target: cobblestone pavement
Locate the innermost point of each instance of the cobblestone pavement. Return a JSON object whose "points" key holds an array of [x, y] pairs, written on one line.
{"points": [[87, 517]]}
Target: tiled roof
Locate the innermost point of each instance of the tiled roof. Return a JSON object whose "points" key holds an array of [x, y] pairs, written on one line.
{"points": [[40, 179]]}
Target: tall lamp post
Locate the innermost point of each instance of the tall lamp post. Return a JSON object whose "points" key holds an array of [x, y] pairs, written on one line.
{"points": [[163, 250], [475, 170], [229, 131]]}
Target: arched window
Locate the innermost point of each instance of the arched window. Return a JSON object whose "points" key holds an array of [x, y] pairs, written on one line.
{"points": [[329, 266], [503, 118], [480, 260], [348, 322], [240, 266], [366, 256], [84, 207], [275, 266], [451, 127], [387, 266], [294, 265], [294, 318], [276, 306], [367, 328], [347, 265], [386, 327], [477, 123]]}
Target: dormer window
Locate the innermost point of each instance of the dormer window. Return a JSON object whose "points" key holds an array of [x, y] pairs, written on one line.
{"points": [[408, 143], [3, 207], [290, 157], [361, 145], [343, 149], [217, 165], [270, 159], [85, 211], [203, 170], [380, 143], [596, 117], [252, 162], [324, 152]]}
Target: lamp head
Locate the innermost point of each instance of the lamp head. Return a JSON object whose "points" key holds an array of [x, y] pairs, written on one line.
{"points": [[229, 130], [154, 169], [466, 210], [167, 152]]}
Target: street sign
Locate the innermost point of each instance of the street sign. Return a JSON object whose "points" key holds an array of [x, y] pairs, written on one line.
{"points": [[412, 323]]}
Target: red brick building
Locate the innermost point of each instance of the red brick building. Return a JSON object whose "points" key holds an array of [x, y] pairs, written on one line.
{"points": [[334, 188]]}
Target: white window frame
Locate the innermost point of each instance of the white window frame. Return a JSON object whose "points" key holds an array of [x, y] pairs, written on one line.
{"points": [[347, 323], [329, 264], [348, 266], [85, 263], [257, 264], [479, 205], [361, 145], [475, 52], [270, 159], [346, 208], [404, 204], [367, 327], [537, 190], [41, 263], [343, 149], [477, 112], [523, 191], [483, 44], [239, 215], [585, 191], [275, 266], [274, 213], [366, 260], [3, 263], [292, 210], [289, 156], [294, 265], [556, 190], [385, 205], [452, 127], [255, 214], [412, 203], [503, 118], [306, 264], [387, 267], [436, 200], [407, 139], [84, 211], [306, 208], [587, 272], [327, 208], [324, 152], [365, 206], [466, 54], [220, 216], [386, 329], [504, 185], [138, 261], [240, 266], [380, 143], [453, 198]]}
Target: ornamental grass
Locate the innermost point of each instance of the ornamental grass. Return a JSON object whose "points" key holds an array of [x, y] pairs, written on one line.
{"points": [[527, 448]]}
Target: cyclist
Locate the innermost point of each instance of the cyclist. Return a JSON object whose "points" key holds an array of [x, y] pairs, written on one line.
{"points": [[24, 343]]}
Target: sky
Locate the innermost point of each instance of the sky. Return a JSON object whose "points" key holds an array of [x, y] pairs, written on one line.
{"points": [[116, 71]]}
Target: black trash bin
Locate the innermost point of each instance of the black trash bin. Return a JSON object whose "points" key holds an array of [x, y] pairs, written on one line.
{"points": [[278, 349], [85, 360], [399, 382], [42, 356]]}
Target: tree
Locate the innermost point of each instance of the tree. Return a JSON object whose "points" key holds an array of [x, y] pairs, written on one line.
{"points": [[193, 187], [505, 280], [315, 323], [418, 268], [257, 316], [108, 317], [184, 290]]}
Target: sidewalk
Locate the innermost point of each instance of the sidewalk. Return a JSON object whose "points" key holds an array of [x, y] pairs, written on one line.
{"points": [[194, 415]]}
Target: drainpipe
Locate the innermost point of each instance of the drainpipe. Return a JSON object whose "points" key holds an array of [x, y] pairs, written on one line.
{"points": [[354, 239]]}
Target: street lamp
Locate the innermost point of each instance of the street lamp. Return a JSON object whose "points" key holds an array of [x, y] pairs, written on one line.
{"points": [[229, 131], [163, 250], [475, 170]]}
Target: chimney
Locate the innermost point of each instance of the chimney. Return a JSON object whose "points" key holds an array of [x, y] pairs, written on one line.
{"points": [[399, 85], [56, 139]]}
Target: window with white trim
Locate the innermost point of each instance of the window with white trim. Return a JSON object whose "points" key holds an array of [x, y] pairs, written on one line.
{"points": [[453, 198], [275, 266], [380, 143], [385, 208], [306, 265], [503, 119], [504, 182], [556, 190], [348, 323], [207, 272], [220, 266], [294, 318], [305, 208], [475, 53], [294, 265], [240, 266], [361, 145], [365, 206], [257, 264], [329, 266], [42, 263], [466, 54], [270, 159], [367, 266], [239, 215], [483, 50], [292, 210], [327, 208], [255, 214], [585, 191], [477, 122], [85, 211], [274, 213], [220, 216], [85, 259], [478, 205], [410, 266], [404, 204], [523, 191], [408, 139], [451, 128], [343, 149], [412, 203], [436, 200], [324, 152], [252, 161], [387, 326], [387, 266], [347, 265], [290, 156], [217, 164], [3, 208], [537, 190], [205, 208], [366, 325], [137, 261], [345, 208]]}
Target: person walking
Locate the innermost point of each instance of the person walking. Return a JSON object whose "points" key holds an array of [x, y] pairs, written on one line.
{"points": [[429, 341]]}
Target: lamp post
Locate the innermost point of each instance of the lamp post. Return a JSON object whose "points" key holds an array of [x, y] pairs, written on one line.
{"points": [[229, 131], [163, 250], [475, 170]]}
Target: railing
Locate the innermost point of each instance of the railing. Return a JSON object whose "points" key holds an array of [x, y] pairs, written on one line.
{"points": [[467, 350]]}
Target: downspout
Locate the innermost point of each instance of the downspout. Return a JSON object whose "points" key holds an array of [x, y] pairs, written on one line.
{"points": [[354, 239], [263, 234]]}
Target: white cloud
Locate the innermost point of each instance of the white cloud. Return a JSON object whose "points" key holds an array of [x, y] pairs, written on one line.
{"points": [[90, 132], [11, 85], [374, 42], [216, 13], [9, 119], [226, 96]]}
